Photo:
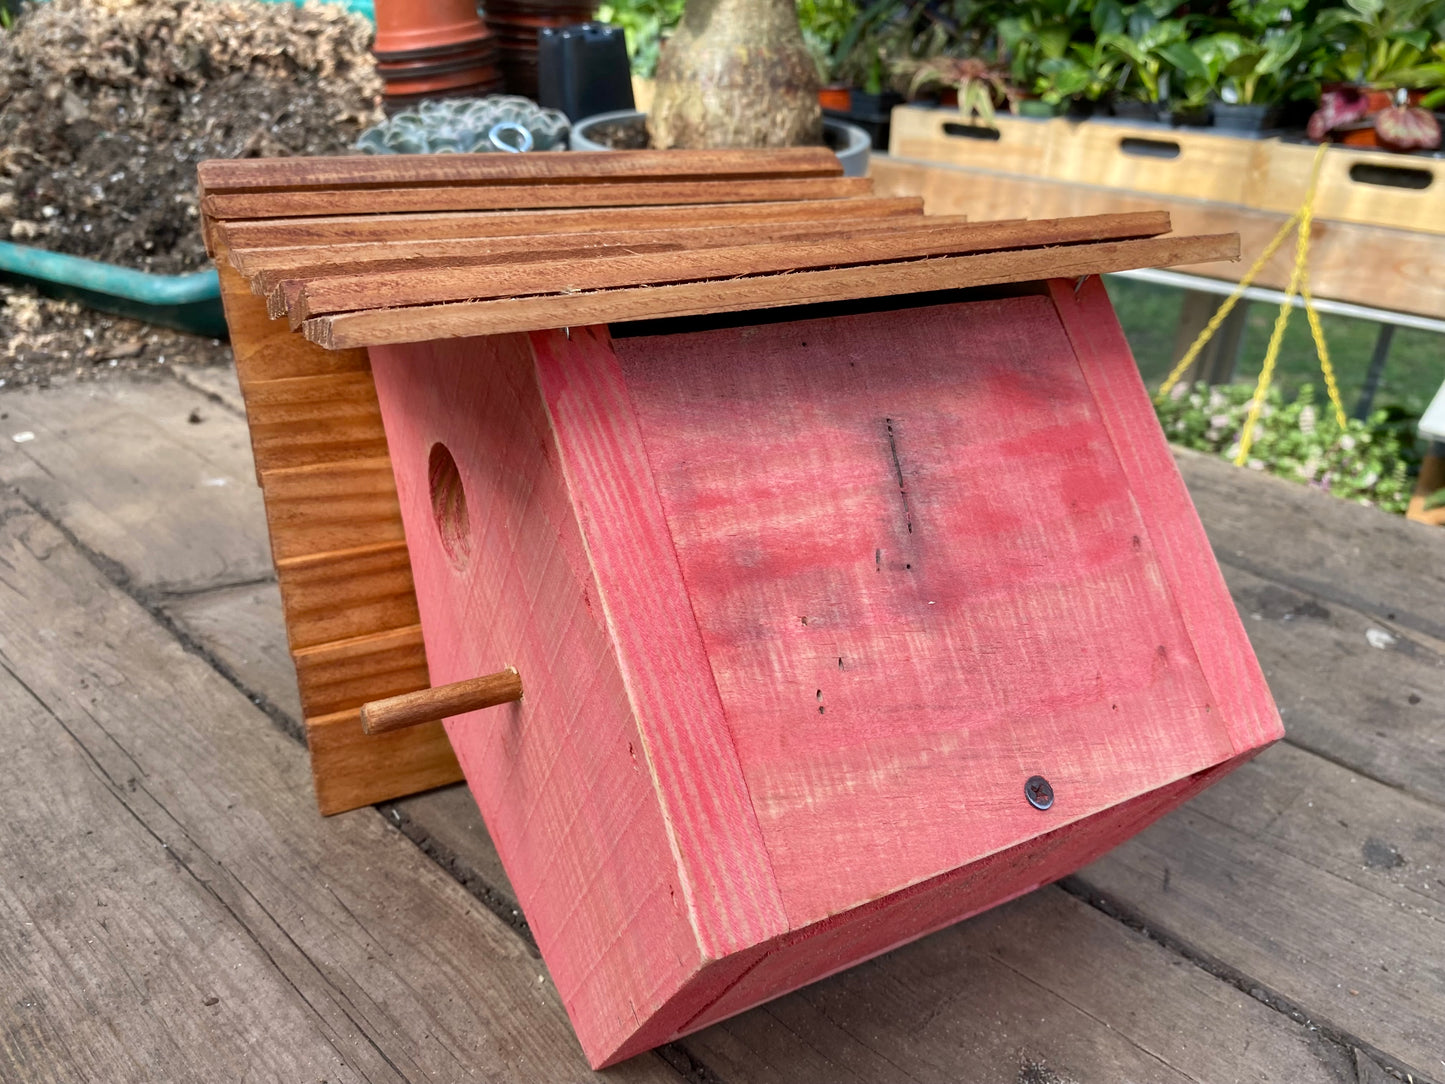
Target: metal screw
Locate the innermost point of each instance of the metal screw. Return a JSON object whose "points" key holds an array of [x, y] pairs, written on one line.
{"points": [[1039, 793]]}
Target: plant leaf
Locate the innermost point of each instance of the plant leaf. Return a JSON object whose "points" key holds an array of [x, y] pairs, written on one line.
{"points": [[1408, 128]]}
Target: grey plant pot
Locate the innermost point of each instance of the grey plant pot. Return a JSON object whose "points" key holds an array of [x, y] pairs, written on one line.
{"points": [[851, 143]]}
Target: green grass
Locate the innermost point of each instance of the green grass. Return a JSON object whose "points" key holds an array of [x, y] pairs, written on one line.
{"points": [[1150, 313]]}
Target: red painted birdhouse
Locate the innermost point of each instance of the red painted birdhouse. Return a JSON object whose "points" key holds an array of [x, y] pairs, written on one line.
{"points": [[842, 611], [833, 630]]}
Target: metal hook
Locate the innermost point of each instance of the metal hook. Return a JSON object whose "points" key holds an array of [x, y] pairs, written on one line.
{"points": [[524, 140]]}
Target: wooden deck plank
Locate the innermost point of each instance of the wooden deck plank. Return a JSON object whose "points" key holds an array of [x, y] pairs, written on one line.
{"points": [[170, 854], [243, 629], [105, 459], [1379, 711], [1317, 883], [1382, 565], [1043, 989]]}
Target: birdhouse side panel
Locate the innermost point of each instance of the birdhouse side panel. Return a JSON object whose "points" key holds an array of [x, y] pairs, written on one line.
{"points": [[727, 876], [561, 777], [824, 948], [1185, 556], [922, 577]]}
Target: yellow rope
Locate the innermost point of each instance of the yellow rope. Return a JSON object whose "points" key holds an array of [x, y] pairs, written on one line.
{"points": [[1225, 309], [1299, 285], [1296, 279], [1323, 350]]}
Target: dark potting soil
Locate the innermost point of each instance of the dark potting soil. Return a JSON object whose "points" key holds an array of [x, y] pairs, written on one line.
{"points": [[106, 107]]}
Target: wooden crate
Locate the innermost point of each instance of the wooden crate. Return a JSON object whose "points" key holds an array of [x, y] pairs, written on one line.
{"points": [[1368, 188], [1016, 145], [1191, 163], [1373, 188]]}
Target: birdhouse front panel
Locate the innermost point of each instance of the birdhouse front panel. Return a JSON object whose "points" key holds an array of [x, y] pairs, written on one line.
{"points": [[833, 629]]}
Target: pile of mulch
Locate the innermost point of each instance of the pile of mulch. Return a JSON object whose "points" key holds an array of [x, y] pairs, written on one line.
{"points": [[44, 341], [106, 106]]}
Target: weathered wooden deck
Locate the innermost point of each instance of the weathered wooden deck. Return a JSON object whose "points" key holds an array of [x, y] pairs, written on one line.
{"points": [[171, 906]]}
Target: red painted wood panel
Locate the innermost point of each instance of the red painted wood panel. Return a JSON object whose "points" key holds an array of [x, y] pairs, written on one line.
{"points": [[798, 608], [561, 777], [724, 868], [1185, 557], [922, 575]]}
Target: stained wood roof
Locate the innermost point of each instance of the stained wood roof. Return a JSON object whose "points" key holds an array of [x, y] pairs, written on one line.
{"points": [[364, 251]]}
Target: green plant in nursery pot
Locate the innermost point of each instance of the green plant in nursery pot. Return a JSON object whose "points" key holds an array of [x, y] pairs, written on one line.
{"points": [[1264, 62], [981, 86], [1146, 60], [1378, 69], [1034, 41]]}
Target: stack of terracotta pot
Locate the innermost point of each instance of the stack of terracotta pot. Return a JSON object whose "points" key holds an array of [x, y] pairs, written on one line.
{"points": [[516, 23], [434, 49]]}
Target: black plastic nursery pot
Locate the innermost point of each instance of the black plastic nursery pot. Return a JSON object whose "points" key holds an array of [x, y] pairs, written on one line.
{"points": [[1250, 119]]}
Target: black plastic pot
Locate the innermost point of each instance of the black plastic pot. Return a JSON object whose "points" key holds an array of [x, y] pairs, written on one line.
{"points": [[871, 112], [1126, 109], [1244, 119]]}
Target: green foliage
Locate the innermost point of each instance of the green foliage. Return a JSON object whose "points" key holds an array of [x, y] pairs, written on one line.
{"points": [[1384, 43], [643, 23], [1367, 462]]}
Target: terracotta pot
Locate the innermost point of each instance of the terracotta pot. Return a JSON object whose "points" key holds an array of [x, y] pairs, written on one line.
{"points": [[412, 29], [836, 97]]}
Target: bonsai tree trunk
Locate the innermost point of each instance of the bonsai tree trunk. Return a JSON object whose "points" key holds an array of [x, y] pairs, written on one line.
{"points": [[735, 73]]}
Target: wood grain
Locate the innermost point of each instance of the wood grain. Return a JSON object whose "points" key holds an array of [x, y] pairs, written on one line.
{"points": [[439, 702], [846, 650], [175, 907], [351, 201], [1215, 635], [103, 462], [328, 511], [1315, 881], [373, 289], [341, 675], [375, 327], [265, 268], [563, 777], [304, 421], [351, 768], [358, 171], [355, 229], [347, 593], [325, 507]]}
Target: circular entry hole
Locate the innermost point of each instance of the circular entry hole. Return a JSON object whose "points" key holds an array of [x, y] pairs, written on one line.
{"points": [[449, 504]]}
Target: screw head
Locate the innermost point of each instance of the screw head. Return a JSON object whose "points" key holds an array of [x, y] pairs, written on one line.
{"points": [[1039, 792]]}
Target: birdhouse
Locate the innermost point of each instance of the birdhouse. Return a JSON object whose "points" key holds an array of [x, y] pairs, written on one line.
{"points": [[828, 577]]}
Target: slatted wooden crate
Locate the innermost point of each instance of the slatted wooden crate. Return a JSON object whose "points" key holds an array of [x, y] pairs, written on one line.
{"points": [[749, 511], [1369, 188]]}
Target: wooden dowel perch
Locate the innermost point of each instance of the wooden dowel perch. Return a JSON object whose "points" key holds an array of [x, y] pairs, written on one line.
{"points": [[442, 702]]}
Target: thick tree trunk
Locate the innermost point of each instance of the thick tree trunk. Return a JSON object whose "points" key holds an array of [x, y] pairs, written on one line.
{"points": [[736, 73]]}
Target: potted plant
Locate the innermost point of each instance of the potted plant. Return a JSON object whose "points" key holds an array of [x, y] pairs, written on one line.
{"points": [[1145, 55], [1034, 42], [981, 86], [1378, 67]]}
